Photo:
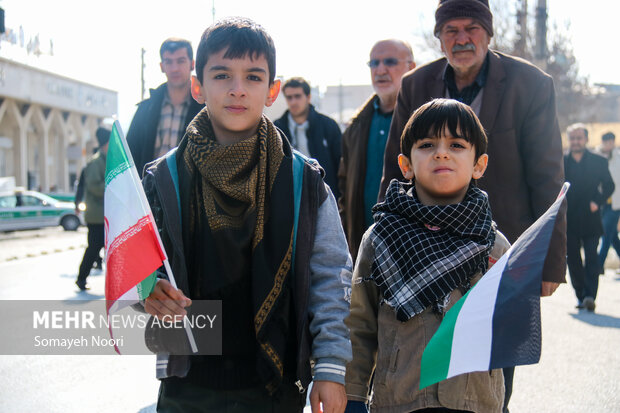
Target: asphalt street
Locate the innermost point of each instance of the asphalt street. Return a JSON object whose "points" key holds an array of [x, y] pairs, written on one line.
{"points": [[579, 370]]}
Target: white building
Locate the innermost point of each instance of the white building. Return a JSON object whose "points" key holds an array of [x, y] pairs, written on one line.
{"points": [[47, 125]]}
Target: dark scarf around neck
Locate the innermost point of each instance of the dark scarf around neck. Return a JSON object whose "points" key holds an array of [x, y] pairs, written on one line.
{"points": [[248, 186]]}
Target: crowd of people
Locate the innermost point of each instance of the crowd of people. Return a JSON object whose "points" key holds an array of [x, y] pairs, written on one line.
{"points": [[339, 271]]}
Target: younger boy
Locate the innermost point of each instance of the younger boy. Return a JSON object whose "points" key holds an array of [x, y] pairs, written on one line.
{"points": [[432, 239], [228, 227]]}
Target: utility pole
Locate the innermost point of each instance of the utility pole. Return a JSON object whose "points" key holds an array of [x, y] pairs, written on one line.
{"points": [[142, 73], [521, 44], [541, 52]]}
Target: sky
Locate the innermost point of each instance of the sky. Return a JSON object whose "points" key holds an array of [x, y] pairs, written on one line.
{"points": [[327, 42]]}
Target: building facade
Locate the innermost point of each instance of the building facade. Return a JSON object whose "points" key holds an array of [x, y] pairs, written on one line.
{"points": [[47, 125]]}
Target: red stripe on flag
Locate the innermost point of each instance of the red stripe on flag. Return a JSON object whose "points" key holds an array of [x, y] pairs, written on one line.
{"points": [[133, 259]]}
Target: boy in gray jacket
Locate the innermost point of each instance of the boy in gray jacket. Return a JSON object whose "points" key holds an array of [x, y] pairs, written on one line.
{"points": [[432, 239], [224, 202]]}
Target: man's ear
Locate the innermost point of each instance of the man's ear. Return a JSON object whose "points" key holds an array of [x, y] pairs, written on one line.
{"points": [[274, 91], [193, 64], [480, 166], [161, 66], [405, 167], [196, 89]]}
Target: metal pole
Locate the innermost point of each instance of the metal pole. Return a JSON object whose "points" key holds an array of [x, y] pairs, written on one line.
{"points": [[521, 45], [541, 34], [142, 73]]}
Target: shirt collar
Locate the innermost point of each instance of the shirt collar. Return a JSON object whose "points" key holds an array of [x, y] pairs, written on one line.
{"points": [[480, 80], [377, 106]]}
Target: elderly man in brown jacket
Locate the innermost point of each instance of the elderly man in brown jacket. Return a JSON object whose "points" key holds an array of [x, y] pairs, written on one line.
{"points": [[515, 102], [363, 142]]}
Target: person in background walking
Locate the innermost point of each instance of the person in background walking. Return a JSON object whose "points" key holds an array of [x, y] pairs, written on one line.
{"points": [[160, 121], [310, 132], [94, 186], [363, 142], [611, 210], [591, 185]]}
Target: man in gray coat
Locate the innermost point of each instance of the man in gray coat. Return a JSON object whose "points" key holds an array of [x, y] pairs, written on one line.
{"points": [[515, 102]]}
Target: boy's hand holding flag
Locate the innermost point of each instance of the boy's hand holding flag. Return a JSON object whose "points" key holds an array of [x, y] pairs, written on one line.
{"points": [[134, 250]]}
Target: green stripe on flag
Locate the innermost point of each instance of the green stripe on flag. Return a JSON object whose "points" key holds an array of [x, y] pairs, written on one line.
{"points": [[146, 286], [117, 160], [436, 356]]}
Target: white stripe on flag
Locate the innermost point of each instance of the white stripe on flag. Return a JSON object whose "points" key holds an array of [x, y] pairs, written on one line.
{"points": [[123, 203], [473, 330]]}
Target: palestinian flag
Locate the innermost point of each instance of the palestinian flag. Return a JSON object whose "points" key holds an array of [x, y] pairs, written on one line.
{"points": [[497, 323], [133, 248]]}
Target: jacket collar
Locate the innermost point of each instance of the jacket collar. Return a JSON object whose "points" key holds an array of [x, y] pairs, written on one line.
{"points": [[493, 92]]}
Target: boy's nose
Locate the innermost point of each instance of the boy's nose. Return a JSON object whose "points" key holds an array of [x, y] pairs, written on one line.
{"points": [[441, 150], [237, 89]]}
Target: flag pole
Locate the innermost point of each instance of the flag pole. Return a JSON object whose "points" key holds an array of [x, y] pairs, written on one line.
{"points": [[145, 203]]}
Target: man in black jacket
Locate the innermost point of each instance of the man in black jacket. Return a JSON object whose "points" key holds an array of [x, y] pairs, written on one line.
{"points": [[310, 132], [591, 185], [160, 121]]}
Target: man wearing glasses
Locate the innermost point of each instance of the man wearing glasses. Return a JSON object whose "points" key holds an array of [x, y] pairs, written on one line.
{"points": [[310, 132], [363, 142], [515, 102]]}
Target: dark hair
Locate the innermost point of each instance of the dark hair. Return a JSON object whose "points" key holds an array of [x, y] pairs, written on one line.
{"points": [[173, 44], [242, 37], [609, 136], [103, 135], [432, 119], [297, 82]]}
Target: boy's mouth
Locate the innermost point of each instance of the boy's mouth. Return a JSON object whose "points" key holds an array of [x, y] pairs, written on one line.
{"points": [[442, 169], [235, 108]]}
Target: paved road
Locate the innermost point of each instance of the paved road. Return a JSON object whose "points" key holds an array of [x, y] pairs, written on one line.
{"points": [[579, 370], [27, 244]]}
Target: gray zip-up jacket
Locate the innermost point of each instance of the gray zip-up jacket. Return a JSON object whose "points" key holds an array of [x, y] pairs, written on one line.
{"points": [[322, 277]]}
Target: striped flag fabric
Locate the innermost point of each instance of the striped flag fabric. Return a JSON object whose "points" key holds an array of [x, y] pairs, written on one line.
{"points": [[497, 323], [132, 245]]}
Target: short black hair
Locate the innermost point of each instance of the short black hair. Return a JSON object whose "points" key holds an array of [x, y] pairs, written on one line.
{"points": [[172, 44], [609, 136], [297, 82], [241, 37], [432, 119]]}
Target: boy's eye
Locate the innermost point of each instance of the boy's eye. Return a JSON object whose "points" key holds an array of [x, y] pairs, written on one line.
{"points": [[458, 145], [255, 78], [425, 145], [220, 76]]}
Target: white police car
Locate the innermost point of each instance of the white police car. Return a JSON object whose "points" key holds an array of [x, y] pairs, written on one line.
{"points": [[21, 209]]}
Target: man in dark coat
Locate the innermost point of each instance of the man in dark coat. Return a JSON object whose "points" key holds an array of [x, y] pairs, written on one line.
{"points": [[363, 142], [160, 121], [515, 102], [591, 186], [310, 132]]}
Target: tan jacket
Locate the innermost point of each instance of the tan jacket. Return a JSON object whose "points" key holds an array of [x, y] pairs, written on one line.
{"points": [[394, 350]]}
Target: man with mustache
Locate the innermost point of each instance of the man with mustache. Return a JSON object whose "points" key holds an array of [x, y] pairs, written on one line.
{"points": [[515, 102], [363, 142]]}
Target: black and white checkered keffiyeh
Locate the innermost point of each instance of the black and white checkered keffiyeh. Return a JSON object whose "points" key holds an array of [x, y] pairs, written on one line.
{"points": [[423, 252]]}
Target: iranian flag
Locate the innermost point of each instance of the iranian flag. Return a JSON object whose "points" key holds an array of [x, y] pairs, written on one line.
{"points": [[497, 323], [132, 244]]}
